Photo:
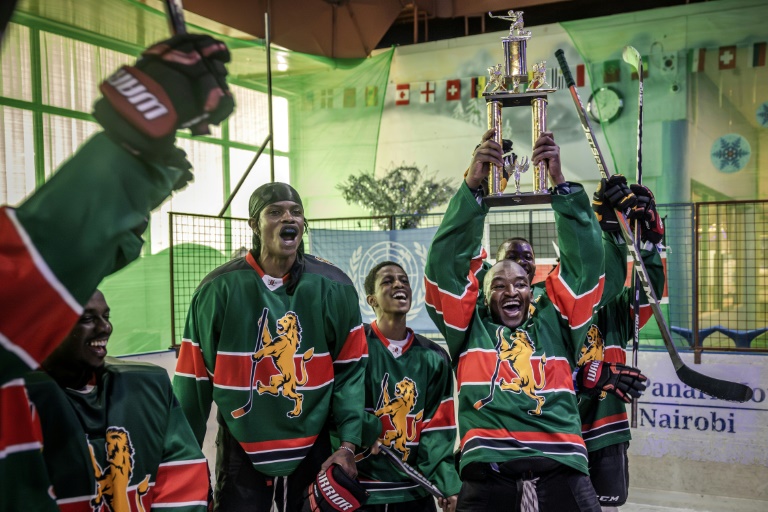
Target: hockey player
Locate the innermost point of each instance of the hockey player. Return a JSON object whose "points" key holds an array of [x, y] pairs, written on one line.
{"points": [[518, 433], [115, 436], [276, 340], [409, 398], [58, 244]]}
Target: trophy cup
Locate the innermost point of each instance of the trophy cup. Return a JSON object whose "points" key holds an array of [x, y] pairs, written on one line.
{"points": [[510, 87]]}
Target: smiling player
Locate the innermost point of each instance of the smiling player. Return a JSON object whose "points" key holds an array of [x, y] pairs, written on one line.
{"points": [[276, 340]]}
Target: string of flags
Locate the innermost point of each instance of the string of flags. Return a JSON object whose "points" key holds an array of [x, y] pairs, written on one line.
{"points": [[728, 57]]}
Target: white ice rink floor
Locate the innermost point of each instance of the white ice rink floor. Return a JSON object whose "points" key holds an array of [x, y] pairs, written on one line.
{"points": [[652, 500]]}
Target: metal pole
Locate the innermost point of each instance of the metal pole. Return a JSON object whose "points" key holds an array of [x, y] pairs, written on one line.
{"points": [[245, 175], [267, 30]]}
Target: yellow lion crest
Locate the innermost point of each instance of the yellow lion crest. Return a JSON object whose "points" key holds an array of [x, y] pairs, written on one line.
{"points": [[517, 353], [398, 409], [112, 483], [593, 350], [282, 349]]}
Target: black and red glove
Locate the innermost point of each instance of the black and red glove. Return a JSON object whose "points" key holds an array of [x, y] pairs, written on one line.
{"points": [[334, 491], [652, 227], [176, 83], [618, 379], [612, 193]]}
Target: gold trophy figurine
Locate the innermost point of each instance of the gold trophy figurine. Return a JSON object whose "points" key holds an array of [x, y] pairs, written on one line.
{"points": [[510, 87]]}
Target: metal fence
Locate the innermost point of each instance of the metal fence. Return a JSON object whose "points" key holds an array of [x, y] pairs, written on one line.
{"points": [[716, 296]]}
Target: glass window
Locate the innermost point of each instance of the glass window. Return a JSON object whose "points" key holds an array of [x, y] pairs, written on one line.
{"points": [[17, 155], [62, 136], [16, 81], [239, 160], [250, 122]]}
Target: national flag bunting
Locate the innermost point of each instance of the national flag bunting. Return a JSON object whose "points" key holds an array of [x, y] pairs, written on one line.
{"points": [[611, 71], [757, 55], [726, 57], [428, 92], [371, 96], [645, 69], [696, 58], [350, 97], [403, 94], [453, 90], [477, 86]]}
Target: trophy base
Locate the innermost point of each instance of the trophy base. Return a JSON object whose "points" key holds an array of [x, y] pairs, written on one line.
{"points": [[517, 99], [517, 199]]}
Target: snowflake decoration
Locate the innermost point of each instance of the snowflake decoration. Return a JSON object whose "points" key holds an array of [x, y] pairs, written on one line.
{"points": [[730, 153], [762, 114]]}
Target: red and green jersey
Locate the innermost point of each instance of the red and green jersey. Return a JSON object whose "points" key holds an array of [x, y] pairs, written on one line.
{"points": [[516, 395], [120, 443], [604, 417], [277, 365], [55, 248], [409, 401]]}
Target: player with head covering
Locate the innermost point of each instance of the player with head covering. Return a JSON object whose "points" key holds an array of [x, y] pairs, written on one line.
{"points": [[409, 401], [60, 243], [276, 340]]}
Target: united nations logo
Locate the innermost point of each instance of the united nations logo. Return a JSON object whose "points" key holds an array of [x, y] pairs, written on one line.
{"points": [[413, 260]]}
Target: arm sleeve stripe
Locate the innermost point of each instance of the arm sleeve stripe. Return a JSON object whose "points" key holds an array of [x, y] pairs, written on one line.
{"points": [[456, 310], [191, 361], [577, 309], [355, 347], [181, 482]]}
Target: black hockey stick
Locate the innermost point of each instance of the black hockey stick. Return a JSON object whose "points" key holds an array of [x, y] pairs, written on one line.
{"points": [[632, 57], [237, 413], [484, 401], [411, 472], [174, 9], [722, 389]]}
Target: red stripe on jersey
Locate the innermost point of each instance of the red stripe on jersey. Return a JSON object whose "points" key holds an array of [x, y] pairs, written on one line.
{"points": [[615, 355], [181, 482], [385, 341], [523, 437], [604, 421], [645, 313], [29, 287], [411, 426], [20, 428], [355, 347], [234, 370], [577, 309], [278, 444], [476, 367], [456, 311], [79, 505], [191, 360], [444, 416]]}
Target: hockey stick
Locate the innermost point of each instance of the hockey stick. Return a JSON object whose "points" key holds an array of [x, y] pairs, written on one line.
{"points": [[632, 57], [237, 413], [484, 401], [384, 382], [722, 389], [411, 472], [174, 9]]}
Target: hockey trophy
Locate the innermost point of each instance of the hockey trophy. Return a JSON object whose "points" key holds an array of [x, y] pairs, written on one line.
{"points": [[509, 86]]}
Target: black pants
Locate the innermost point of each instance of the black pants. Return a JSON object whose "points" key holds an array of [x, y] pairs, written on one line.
{"points": [[240, 488], [609, 472], [562, 489], [421, 505]]}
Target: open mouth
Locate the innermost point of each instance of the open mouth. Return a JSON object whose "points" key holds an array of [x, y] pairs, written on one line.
{"points": [[99, 346], [400, 296], [511, 307], [289, 233]]}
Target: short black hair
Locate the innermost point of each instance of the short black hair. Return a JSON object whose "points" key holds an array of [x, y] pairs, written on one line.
{"points": [[500, 255], [370, 279]]}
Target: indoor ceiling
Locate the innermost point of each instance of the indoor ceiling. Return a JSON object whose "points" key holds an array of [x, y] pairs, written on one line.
{"points": [[353, 28]]}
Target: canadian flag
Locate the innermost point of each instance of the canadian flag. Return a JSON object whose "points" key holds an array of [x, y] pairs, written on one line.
{"points": [[453, 90], [403, 96]]}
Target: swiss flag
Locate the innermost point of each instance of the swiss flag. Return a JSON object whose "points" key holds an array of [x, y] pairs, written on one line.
{"points": [[452, 90], [403, 95], [726, 57]]}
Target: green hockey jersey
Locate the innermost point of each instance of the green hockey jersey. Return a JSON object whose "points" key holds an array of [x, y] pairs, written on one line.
{"points": [[409, 401], [55, 248], [122, 444], [277, 365], [534, 411]]}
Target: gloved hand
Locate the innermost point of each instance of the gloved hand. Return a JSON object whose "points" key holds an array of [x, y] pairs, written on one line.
{"points": [[621, 380], [334, 490], [652, 227], [176, 83], [613, 193]]}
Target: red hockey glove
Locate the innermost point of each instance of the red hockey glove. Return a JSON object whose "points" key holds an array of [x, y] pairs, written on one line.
{"points": [[645, 211], [613, 193], [177, 83], [333, 490], [623, 381]]}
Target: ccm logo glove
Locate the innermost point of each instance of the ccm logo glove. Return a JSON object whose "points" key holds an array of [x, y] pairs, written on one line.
{"points": [[333, 490], [613, 193], [645, 211], [623, 381]]}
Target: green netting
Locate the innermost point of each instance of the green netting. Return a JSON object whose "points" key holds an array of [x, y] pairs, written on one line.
{"points": [[327, 116]]}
